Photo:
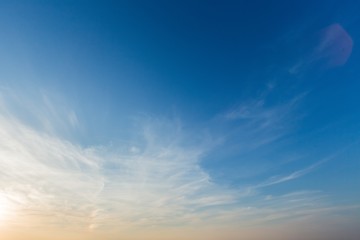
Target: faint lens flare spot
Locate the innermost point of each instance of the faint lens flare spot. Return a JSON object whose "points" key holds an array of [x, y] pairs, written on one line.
{"points": [[333, 48], [335, 45]]}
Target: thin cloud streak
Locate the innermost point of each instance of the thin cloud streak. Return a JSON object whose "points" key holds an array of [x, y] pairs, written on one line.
{"points": [[297, 174], [257, 124]]}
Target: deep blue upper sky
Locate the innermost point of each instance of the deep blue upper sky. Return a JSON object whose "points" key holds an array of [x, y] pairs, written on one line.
{"points": [[274, 84]]}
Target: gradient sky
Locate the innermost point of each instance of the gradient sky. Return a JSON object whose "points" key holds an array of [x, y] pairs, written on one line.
{"points": [[179, 120]]}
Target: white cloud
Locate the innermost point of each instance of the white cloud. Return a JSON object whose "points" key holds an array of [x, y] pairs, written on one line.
{"points": [[297, 174], [43, 174], [256, 123], [155, 180]]}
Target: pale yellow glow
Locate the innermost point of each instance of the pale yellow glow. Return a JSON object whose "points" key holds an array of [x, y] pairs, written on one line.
{"points": [[4, 209]]}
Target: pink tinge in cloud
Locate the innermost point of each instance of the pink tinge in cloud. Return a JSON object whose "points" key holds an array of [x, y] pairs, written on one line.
{"points": [[332, 49], [335, 46]]}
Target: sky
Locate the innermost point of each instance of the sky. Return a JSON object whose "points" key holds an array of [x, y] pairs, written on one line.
{"points": [[179, 120]]}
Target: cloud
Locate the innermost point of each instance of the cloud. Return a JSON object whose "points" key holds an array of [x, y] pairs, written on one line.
{"points": [[154, 180], [45, 174], [256, 123], [257, 110], [292, 176]]}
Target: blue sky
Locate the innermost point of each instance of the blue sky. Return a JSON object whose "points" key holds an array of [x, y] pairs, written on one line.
{"points": [[175, 114]]}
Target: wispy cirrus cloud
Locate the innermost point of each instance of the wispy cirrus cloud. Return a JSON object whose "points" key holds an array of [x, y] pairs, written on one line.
{"points": [[255, 124], [294, 175], [153, 180], [44, 174]]}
